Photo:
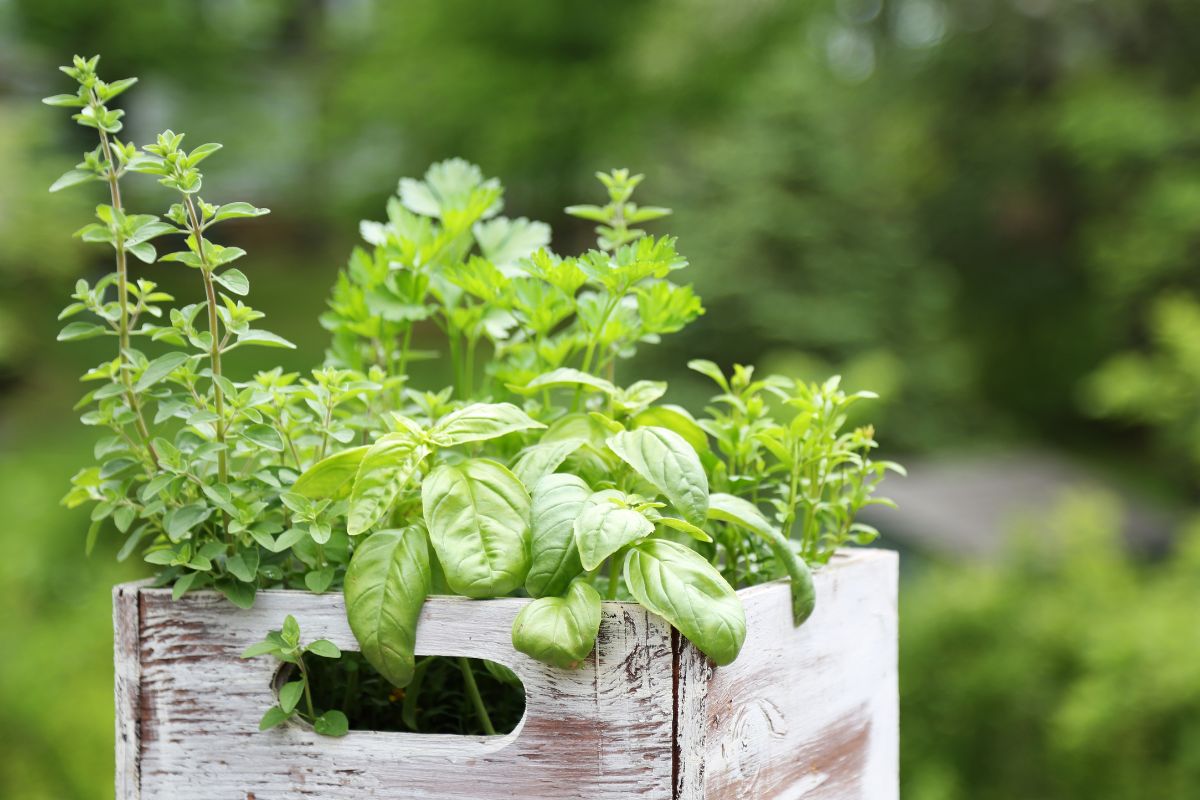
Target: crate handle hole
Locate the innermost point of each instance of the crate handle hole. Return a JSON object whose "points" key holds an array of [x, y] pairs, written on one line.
{"points": [[437, 701]]}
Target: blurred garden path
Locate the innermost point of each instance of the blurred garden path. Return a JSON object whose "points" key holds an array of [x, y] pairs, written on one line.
{"points": [[969, 505]]}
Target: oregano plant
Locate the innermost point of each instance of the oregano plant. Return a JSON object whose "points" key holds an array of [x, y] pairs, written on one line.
{"points": [[542, 471]]}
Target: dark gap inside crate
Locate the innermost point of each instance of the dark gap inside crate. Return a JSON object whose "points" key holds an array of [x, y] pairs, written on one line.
{"points": [[436, 701]]}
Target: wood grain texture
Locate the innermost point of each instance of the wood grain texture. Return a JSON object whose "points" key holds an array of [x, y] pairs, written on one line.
{"points": [[802, 714], [807, 713], [603, 731]]}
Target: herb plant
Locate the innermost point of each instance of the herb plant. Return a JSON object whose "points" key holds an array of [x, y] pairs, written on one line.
{"points": [[538, 472], [296, 696]]}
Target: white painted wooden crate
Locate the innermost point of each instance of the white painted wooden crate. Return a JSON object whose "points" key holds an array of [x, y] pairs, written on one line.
{"points": [[803, 713]]}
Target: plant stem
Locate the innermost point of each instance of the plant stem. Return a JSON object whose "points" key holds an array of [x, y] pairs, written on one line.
{"points": [[307, 691], [114, 189], [476, 698], [404, 351], [213, 329], [469, 366]]}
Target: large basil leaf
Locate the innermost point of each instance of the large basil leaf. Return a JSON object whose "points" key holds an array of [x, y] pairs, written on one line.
{"points": [[386, 468], [541, 459], [386, 584], [331, 476], [556, 501], [566, 376], [477, 513], [666, 460], [592, 458], [480, 421], [604, 526], [560, 631], [728, 508], [679, 585], [674, 418]]}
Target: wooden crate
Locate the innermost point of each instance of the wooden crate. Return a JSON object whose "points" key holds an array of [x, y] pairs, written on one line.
{"points": [[803, 713]]}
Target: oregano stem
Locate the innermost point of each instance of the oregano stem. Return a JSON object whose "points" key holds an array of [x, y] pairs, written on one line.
{"points": [[114, 189], [210, 293]]}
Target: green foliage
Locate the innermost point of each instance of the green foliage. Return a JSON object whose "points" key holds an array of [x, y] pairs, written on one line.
{"points": [[560, 630], [534, 470], [286, 646], [1095, 695], [386, 585], [1156, 386]]}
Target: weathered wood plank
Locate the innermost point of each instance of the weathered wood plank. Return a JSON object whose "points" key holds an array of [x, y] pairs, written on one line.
{"points": [[127, 666], [603, 731], [809, 712]]}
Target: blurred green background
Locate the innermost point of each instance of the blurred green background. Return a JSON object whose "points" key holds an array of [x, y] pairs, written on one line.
{"points": [[986, 210]]}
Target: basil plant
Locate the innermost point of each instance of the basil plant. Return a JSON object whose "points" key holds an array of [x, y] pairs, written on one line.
{"points": [[542, 471]]}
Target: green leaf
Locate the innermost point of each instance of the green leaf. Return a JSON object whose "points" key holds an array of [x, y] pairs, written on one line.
{"points": [[264, 436], [554, 559], [274, 716], [73, 178], [202, 152], [386, 584], [243, 565], [290, 633], [502, 673], [477, 513], [333, 476], [743, 513], [709, 369], [235, 281], [319, 580], [667, 461], [673, 418], [694, 531], [143, 251], [679, 585], [565, 377], [479, 422], [65, 101], [386, 469], [542, 459], [236, 210], [240, 594], [559, 631], [183, 584], [605, 525], [504, 242], [332, 723], [324, 648], [265, 647], [75, 331], [290, 694], [262, 339], [639, 395], [159, 368], [179, 521]]}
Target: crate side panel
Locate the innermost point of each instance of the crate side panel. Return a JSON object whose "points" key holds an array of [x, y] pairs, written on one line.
{"points": [[126, 690], [807, 713], [603, 731]]}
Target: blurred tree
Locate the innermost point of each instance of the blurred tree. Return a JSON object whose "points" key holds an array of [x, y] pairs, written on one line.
{"points": [[1065, 671]]}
